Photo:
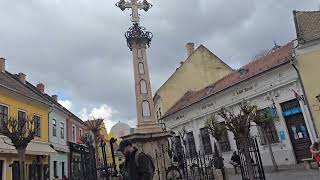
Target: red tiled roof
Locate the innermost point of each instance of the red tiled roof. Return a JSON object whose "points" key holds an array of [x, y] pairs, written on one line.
{"points": [[273, 59]]}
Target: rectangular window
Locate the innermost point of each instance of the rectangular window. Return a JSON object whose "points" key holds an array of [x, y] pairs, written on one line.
{"points": [[205, 136], [270, 131], [36, 121], [73, 133], [55, 170], [178, 145], [191, 145], [3, 114], [22, 116], [80, 132], [224, 141], [54, 127], [62, 130]]}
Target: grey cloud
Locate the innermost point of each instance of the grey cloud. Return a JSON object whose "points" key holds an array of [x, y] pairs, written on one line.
{"points": [[78, 47]]}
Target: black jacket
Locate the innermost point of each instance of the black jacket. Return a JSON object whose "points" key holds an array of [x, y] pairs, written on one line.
{"points": [[137, 171]]}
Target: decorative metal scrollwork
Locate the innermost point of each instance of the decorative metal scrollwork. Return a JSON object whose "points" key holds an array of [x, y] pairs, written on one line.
{"points": [[146, 5], [121, 4], [138, 34]]}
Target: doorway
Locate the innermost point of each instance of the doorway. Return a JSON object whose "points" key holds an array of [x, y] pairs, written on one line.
{"points": [[1, 169], [297, 129]]}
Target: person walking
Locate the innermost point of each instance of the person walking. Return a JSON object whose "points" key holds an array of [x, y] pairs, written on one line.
{"points": [[137, 165]]}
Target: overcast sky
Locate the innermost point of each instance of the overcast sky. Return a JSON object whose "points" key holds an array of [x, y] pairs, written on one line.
{"points": [[78, 50]]}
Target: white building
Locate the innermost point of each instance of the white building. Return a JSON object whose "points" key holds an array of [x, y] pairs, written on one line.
{"points": [[270, 81]]}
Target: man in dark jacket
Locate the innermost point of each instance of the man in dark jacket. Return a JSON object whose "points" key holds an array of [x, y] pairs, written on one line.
{"points": [[138, 165]]}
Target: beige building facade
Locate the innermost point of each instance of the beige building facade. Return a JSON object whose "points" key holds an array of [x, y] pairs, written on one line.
{"points": [[199, 70], [307, 58]]}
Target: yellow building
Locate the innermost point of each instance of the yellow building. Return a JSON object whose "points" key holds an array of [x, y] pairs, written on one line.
{"points": [[18, 101], [106, 137], [307, 53], [200, 69]]}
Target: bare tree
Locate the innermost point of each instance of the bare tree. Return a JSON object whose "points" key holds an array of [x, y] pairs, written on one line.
{"points": [[95, 126], [239, 124], [21, 132], [265, 121], [217, 130], [88, 140]]}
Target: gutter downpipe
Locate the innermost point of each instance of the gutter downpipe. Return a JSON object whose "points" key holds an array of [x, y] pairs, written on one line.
{"points": [[293, 59], [52, 108]]}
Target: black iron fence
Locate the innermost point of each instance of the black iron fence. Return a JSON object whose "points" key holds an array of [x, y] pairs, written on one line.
{"points": [[180, 165], [251, 164]]}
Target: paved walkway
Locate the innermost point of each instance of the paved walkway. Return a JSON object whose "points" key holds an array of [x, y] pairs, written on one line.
{"points": [[286, 173]]}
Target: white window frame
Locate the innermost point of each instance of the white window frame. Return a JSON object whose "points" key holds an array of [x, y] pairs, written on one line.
{"points": [[54, 120], [5, 105], [62, 124], [40, 123]]}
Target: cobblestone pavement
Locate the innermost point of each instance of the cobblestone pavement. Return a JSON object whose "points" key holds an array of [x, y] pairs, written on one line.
{"points": [[287, 173]]}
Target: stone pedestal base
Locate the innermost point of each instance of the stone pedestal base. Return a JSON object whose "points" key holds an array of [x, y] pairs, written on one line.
{"points": [[153, 144]]}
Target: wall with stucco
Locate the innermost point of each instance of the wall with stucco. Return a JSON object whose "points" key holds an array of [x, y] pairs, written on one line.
{"points": [[200, 69], [308, 62], [277, 84]]}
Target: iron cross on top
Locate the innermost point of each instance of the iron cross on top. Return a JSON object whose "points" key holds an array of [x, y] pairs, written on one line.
{"points": [[135, 6]]}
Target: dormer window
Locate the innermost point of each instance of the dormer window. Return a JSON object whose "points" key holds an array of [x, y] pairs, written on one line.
{"points": [[243, 71]]}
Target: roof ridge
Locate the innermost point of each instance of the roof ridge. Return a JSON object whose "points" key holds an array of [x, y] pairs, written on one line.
{"points": [[263, 57]]}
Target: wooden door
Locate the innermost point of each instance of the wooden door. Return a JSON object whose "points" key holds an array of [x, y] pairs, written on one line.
{"points": [[299, 136]]}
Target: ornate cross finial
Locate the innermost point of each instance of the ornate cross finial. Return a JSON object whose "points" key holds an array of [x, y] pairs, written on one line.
{"points": [[135, 6]]}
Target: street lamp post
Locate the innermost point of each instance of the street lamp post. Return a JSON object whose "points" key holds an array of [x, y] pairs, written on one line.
{"points": [[104, 156], [112, 141]]}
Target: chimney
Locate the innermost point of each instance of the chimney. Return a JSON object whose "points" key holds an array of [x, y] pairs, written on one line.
{"points": [[55, 98], [2, 64], [190, 48], [22, 78], [40, 87]]}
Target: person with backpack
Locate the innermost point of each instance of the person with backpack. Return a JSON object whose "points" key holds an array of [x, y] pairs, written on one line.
{"points": [[137, 165]]}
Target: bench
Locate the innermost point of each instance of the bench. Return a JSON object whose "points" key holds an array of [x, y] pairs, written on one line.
{"points": [[307, 162]]}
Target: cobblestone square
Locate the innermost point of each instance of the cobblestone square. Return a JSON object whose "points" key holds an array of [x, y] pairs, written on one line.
{"points": [[287, 173]]}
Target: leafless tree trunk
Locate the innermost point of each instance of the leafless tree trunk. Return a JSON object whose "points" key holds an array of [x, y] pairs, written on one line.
{"points": [[268, 142], [21, 156], [248, 158]]}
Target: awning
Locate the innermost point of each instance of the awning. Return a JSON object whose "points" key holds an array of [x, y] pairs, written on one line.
{"points": [[39, 148], [33, 148], [60, 148]]}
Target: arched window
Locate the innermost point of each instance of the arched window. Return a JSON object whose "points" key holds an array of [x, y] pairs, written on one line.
{"points": [[143, 87], [145, 109], [139, 53], [141, 68]]}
